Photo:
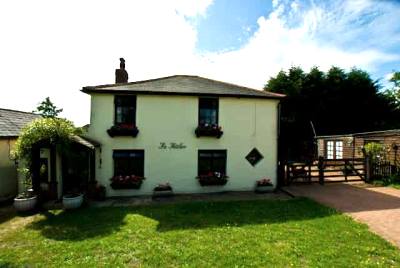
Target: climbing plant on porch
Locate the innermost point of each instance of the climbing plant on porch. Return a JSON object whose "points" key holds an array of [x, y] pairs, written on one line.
{"points": [[55, 131]]}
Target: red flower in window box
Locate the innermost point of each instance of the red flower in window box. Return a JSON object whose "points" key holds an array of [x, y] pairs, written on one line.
{"points": [[126, 182], [264, 182], [123, 130], [264, 185], [210, 130], [212, 178]]}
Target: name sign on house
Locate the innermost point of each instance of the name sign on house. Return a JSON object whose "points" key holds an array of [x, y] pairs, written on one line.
{"points": [[171, 145]]}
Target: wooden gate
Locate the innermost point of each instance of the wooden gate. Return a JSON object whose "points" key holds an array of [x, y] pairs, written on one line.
{"points": [[326, 170]]}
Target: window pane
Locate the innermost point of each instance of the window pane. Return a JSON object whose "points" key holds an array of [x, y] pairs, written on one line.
{"points": [[339, 150], [125, 109], [329, 150], [212, 161], [208, 111], [128, 162]]}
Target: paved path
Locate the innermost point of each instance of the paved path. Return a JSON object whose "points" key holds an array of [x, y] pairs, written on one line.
{"points": [[378, 207]]}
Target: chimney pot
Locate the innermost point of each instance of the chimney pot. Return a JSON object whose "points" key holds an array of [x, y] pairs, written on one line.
{"points": [[121, 75]]}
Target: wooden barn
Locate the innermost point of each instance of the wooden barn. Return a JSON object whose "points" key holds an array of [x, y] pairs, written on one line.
{"points": [[351, 145]]}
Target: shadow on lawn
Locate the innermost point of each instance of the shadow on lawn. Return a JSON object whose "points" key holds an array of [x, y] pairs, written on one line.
{"points": [[97, 222], [80, 224]]}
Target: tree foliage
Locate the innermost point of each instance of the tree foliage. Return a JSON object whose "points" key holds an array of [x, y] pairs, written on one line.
{"points": [[56, 131], [394, 92], [47, 109], [336, 102], [375, 151]]}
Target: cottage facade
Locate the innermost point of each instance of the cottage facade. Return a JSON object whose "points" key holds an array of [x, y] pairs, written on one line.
{"points": [[177, 128]]}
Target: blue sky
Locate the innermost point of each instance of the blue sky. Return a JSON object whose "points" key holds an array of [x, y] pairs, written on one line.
{"points": [[229, 24], [366, 25], [53, 48]]}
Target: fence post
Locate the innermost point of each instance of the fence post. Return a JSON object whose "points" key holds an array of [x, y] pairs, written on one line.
{"points": [[367, 168], [321, 170]]}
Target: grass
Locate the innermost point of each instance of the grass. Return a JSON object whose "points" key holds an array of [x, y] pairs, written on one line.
{"points": [[393, 184], [263, 233]]}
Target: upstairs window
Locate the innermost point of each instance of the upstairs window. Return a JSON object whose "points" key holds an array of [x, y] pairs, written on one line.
{"points": [[211, 161], [128, 162], [208, 111], [334, 149], [125, 111]]}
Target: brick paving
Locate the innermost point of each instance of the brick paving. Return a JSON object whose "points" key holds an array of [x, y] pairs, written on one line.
{"points": [[378, 207]]}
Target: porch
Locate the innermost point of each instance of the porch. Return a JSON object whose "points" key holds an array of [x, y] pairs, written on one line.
{"points": [[57, 171]]}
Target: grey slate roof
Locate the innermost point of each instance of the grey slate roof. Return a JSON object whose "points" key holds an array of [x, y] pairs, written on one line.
{"points": [[12, 122], [183, 85]]}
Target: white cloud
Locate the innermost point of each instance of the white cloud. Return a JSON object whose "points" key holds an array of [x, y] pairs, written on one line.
{"points": [[53, 49]]}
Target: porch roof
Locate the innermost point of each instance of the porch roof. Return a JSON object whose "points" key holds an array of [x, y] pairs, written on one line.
{"points": [[89, 143]]}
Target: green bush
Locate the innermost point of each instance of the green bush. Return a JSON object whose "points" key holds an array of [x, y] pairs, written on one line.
{"points": [[56, 131], [375, 151]]}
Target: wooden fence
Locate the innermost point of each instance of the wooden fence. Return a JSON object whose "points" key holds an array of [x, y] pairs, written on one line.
{"points": [[383, 169], [326, 170]]}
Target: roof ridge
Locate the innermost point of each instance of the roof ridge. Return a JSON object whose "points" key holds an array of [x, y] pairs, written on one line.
{"points": [[12, 110], [190, 76]]}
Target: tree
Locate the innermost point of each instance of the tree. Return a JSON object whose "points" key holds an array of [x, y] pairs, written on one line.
{"points": [[394, 92], [335, 102], [47, 109]]}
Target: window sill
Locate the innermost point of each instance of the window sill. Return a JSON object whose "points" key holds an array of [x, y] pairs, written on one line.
{"points": [[212, 181], [119, 131], [208, 131], [117, 186]]}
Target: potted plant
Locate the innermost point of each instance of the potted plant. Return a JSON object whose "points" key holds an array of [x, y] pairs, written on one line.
{"points": [[163, 189], [210, 130], [212, 178], [72, 200], [96, 191], [126, 182], [123, 130], [264, 185], [26, 200]]}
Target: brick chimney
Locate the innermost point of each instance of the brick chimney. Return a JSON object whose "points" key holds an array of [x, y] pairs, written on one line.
{"points": [[121, 75]]}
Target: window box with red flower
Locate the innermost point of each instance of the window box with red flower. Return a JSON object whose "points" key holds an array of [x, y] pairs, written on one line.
{"points": [[123, 130], [264, 185], [209, 130], [126, 182], [212, 178]]}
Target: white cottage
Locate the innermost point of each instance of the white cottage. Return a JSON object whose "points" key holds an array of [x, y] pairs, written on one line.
{"points": [[198, 134]]}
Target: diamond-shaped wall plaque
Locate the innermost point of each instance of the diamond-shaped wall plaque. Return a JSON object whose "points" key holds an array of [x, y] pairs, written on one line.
{"points": [[254, 157]]}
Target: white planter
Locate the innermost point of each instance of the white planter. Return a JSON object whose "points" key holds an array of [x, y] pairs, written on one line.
{"points": [[264, 189], [72, 202], [25, 204]]}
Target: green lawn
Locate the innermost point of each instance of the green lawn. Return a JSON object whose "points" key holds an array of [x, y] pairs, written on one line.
{"points": [[263, 233], [393, 184]]}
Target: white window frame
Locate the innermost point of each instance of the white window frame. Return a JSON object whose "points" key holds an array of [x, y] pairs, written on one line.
{"points": [[334, 149]]}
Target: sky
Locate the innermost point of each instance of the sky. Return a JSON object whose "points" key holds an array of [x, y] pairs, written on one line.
{"points": [[54, 48]]}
